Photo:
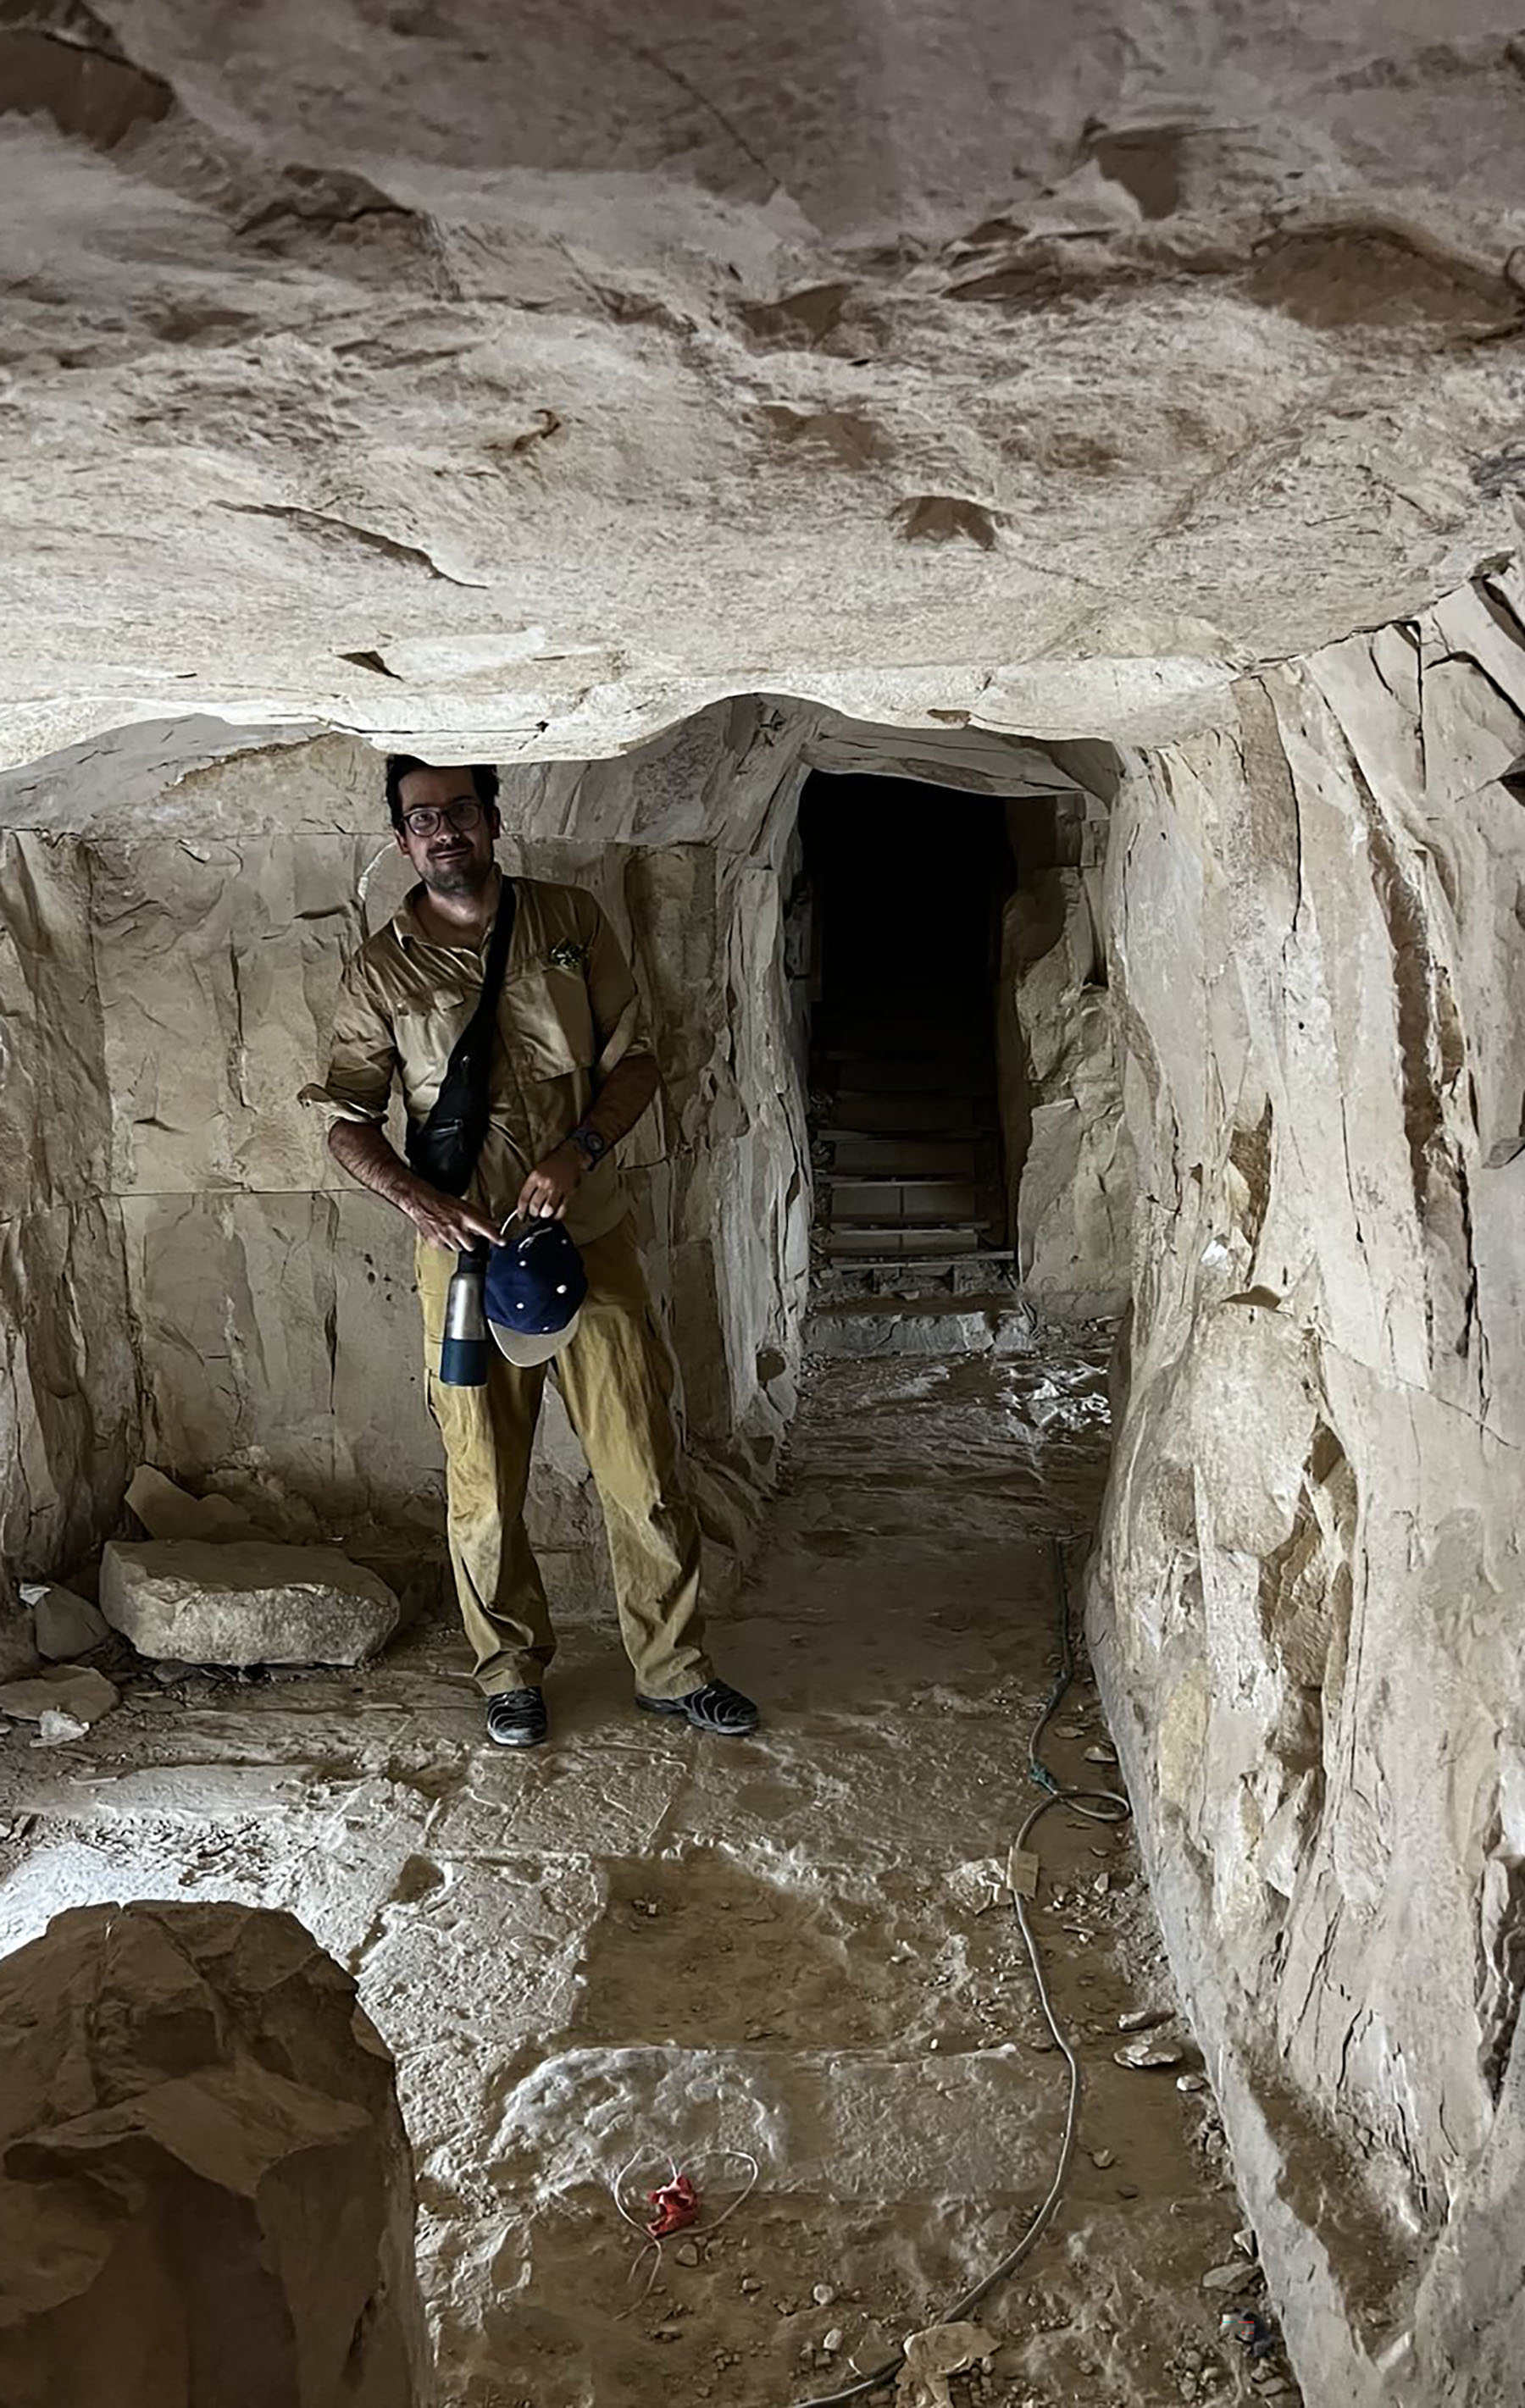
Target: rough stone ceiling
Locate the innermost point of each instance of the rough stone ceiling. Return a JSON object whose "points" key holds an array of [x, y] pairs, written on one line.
{"points": [[528, 376]]}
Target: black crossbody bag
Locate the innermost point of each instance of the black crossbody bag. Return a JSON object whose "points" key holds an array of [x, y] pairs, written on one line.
{"points": [[443, 1148]]}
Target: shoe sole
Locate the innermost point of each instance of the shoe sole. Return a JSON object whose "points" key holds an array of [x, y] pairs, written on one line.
{"points": [[519, 1739], [711, 1730]]}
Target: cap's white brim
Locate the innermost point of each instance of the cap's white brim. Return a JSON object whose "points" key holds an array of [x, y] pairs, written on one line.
{"points": [[525, 1348]]}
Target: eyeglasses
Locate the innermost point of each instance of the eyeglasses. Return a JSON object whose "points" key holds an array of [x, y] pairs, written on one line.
{"points": [[461, 816]]}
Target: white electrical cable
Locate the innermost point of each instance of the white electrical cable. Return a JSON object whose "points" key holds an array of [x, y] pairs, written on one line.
{"points": [[1097, 1806]]}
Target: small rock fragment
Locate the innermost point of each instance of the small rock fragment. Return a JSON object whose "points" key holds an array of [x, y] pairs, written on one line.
{"points": [[749, 2283], [1127, 2190], [932, 2356], [823, 2295], [1191, 2082], [1147, 2054], [1102, 2159], [1101, 1755], [76, 1690], [689, 2254], [980, 1885], [832, 2342], [167, 1511], [56, 1727], [1224, 2278], [1142, 2019], [65, 1625]]}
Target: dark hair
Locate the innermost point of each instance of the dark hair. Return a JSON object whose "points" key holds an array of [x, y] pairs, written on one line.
{"points": [[401, 765]]}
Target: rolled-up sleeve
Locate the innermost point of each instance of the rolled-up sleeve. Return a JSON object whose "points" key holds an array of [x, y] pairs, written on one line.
{"points": [[619, 1015], [362, 1055]]}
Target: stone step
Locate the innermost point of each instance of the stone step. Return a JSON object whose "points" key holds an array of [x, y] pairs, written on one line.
{"points": [[899, 1156], [933, 1115], [981, 1271], [860, 1327], [909, 1244], [892, 1203]]}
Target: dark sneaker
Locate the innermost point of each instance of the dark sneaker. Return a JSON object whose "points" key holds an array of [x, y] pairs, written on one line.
{"points": [[717, 1707], [516, 1718]]}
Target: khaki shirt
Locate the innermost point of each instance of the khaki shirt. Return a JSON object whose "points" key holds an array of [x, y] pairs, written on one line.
{"points": [[567, 1012]]}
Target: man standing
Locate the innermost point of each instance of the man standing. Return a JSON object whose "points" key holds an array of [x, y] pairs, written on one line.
{"points": [[571, 1074]]}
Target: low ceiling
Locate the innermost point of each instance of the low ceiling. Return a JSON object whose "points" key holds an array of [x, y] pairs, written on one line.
{"points": [[516, 380]]}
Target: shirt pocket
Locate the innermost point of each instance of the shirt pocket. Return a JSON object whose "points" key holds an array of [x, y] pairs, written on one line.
{"points": [[547, 1023], [425, 1042]]}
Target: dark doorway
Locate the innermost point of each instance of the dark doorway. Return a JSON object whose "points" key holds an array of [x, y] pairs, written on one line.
{"points": [[907, 885]]}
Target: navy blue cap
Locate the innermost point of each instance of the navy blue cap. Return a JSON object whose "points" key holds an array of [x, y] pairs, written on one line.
{"points": [[535, 1288]]}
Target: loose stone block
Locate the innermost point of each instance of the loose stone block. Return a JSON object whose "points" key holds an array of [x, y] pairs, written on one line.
{"points": [[246, 1602]]}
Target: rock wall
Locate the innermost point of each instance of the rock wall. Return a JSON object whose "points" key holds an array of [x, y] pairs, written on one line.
{"points": [[1308, 1598], [206, 2191], [1069, 1158]]}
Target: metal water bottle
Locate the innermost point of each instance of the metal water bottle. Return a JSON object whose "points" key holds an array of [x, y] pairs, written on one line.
{"points": [[464, 1349]]}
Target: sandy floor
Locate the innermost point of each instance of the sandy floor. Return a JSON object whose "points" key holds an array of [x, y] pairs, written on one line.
{"points": [[639, 1944]]}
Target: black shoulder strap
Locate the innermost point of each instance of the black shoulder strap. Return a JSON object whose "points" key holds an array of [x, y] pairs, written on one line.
{"points": [[498, 954], [445, 1146]]}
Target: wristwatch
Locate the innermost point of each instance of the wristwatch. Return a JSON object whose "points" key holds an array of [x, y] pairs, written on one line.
{"points": [[590, 1145]]}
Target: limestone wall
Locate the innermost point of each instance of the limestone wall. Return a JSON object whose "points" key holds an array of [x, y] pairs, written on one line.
{"points": [[1308, 1606], [68, 1399], [1069, 1157]]}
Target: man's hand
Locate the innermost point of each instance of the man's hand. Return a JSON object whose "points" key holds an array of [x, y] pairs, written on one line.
{"points": [[445, 1221], [552, 1184]]}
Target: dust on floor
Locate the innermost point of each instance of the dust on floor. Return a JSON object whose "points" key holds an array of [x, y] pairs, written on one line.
{"points": [[642, 1946]]}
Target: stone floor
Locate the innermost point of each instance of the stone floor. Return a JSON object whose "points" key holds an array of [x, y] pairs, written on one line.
{"points": [[638, 1945]]}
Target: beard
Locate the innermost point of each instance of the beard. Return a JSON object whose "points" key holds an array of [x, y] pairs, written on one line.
{"points": [[466, 872]]}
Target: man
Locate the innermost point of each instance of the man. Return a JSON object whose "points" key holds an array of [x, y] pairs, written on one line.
{"points": [[571, 1073]]}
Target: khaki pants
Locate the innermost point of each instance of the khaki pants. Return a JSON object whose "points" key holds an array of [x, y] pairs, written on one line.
{"points": [[617, 1380]]}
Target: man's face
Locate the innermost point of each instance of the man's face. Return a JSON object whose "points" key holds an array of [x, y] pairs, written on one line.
{"points": [[447, 833]]}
